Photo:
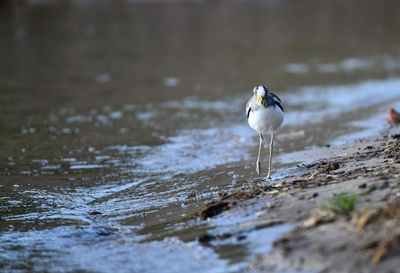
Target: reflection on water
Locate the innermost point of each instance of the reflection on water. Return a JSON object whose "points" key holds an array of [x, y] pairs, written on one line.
{"points": [[118, 119]]}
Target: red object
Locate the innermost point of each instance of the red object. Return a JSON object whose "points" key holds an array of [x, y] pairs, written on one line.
{"points": [[95, 213], [394, 117]]}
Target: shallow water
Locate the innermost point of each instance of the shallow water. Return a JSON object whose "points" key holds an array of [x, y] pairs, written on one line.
{"points": [[136, 111]]}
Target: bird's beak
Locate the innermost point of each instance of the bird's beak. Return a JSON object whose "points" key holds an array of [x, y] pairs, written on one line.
{"points": [[261, 99]]}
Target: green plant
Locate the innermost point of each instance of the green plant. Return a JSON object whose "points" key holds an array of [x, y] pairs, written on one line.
{"points": [[343, 203]]}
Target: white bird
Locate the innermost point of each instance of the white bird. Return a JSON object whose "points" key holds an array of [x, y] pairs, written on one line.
{"points": [[265, 115]]}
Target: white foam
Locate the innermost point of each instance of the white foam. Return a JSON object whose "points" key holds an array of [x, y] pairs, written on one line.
{"points": [[196, 150], [296, 68], [89, 166]]}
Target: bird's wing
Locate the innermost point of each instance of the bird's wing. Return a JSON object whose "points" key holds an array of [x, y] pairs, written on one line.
{"points": [[275, 97], [248, 108], [277, 101]]}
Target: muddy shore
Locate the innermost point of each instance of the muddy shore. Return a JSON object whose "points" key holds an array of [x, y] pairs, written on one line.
{"points": [[344, 205]]}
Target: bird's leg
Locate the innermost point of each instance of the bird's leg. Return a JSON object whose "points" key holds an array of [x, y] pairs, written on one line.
{"points": [[259, 152], [271, 147]]}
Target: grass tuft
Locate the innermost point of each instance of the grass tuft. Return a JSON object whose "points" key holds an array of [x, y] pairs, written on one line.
{"points": [[343, 203]]}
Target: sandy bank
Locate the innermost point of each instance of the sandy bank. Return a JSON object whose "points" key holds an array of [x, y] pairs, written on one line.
{"points": [[329, 236]]}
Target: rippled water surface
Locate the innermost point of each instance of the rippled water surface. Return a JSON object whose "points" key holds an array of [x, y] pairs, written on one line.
{"points": [[119, 118]]}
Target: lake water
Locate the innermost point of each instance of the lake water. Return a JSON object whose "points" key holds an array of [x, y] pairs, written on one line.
{"points": [[118, 118]]}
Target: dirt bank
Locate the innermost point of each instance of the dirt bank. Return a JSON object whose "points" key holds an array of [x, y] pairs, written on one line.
{"points": [[345, 205]]}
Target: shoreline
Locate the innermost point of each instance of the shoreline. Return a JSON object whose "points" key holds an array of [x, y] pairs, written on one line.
{"points": [[324, 238]]}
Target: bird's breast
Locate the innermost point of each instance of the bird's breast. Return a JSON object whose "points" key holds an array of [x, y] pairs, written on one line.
{"points": [[266, 119]]}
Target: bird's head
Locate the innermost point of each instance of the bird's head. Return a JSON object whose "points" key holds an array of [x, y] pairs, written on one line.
{"points": [[261, 93]]}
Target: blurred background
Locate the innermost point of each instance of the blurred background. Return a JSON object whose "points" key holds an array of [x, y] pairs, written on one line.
{"points": [[117, 118]]}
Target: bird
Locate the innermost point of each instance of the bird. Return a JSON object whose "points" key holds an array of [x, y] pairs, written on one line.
{"points": [[394, 117], [265, 115]]}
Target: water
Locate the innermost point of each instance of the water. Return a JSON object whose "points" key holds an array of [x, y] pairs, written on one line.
{"points": [[118, 119]]}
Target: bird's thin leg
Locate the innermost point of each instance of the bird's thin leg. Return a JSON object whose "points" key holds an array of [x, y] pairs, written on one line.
{"points": [[271, 147], [259, 152]]}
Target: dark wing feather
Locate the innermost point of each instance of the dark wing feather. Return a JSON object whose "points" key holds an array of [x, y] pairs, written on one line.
{"points": [[276, 98], [277, 101], [248, 112], [248, 108], [279, 105]]}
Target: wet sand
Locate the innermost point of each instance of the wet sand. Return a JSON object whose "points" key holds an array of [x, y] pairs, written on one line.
{"points": [[324, 239]]}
